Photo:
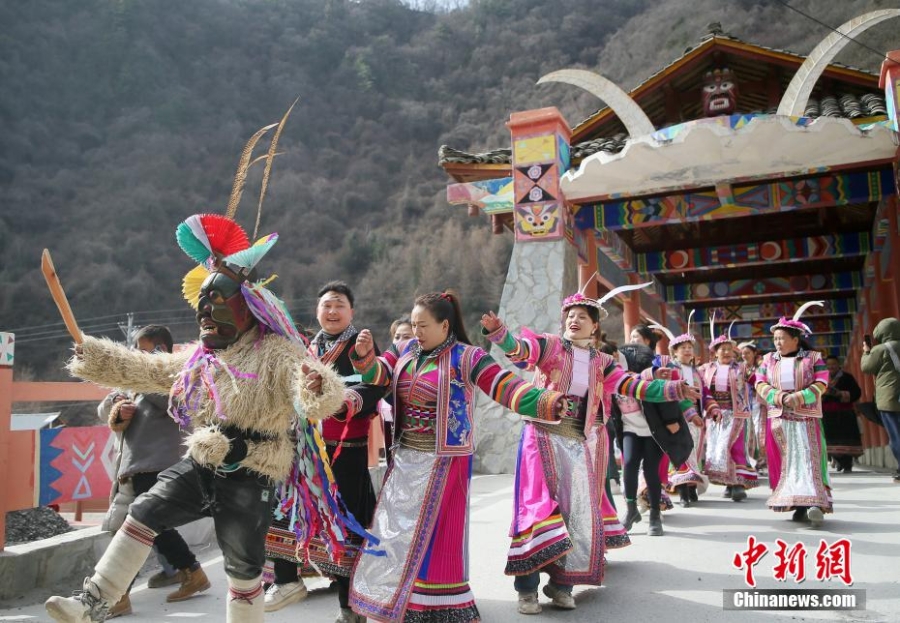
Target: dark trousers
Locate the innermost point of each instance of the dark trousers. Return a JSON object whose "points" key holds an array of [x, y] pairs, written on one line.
{"points": [[168, 542], [634, 450], [891, 421], [240, 503]]}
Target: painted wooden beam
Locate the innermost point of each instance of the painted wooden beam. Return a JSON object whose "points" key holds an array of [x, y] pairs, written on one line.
{"points": [[819, 326], [774, 310], [824, 191], [754, 253], [490, 196], [748, 288]]}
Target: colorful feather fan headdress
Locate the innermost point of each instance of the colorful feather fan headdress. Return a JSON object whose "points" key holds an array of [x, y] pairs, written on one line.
{"points": [[722, 339], [794, 323], [579, 299], [676, 340]]}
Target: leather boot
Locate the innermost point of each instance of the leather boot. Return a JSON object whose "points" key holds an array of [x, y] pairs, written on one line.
{"points": [[684, 496], [193, 581], [633, 516], [655, 528], [122, 608]]}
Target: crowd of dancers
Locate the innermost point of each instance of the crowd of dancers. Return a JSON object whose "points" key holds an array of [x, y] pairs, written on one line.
{"points": [[278, 433]]}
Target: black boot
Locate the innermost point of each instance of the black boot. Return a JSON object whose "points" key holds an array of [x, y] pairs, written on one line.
{"points": [[727, 493], [632, 516], [799, 513], [655, 527], [684, 495], [692, 492]]}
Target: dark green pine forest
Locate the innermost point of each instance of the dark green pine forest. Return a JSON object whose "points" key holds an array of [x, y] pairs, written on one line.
{"points": [[120, 118]]}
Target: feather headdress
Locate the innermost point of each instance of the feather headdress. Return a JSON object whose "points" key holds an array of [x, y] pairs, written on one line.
{"points": [[676, 340], [579, 299], [794, 323], [723, 338]]}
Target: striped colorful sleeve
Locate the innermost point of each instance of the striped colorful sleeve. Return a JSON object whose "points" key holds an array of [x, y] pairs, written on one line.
{"points": [[766, 391], [507, 389], [375, 370], [820, 375], [526, 348], [688, 409], [619, 381]]}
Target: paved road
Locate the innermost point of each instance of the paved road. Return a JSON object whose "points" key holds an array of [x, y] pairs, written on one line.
{"points": [[678, 577]]}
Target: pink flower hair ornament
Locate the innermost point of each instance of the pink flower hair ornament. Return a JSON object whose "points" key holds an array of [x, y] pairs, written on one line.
{"points": [[794, 323], [677, 340]]}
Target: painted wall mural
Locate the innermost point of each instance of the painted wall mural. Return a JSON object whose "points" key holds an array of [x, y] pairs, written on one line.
{"points": [[75, 464]]}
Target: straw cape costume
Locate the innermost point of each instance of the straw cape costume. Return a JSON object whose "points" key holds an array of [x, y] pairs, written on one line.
{"points": [[423, 510], [727, 461], [795, 443], [558, 524], [240, 390]]}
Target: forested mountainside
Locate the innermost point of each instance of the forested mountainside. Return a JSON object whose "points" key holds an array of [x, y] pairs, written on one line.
{"points": [[121, 118]]}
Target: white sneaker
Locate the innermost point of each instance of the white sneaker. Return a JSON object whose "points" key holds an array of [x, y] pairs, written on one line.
{"points": [[84, 606], [529, 604], [815, 516], [280, 595], [561, 599]]}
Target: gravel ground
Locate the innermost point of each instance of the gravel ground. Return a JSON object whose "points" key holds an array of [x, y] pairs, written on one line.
{"points": [[34, 524]]}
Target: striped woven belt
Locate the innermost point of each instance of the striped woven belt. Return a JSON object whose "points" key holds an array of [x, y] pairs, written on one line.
{"points": [[425, 442], [570, 427], [351, 443]]}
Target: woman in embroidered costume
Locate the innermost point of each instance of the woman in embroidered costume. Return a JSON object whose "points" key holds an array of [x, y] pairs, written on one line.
{"points": [[728, 412], [791, 381], [757, 434], [558, 523], [422, 512], [687, 479]]}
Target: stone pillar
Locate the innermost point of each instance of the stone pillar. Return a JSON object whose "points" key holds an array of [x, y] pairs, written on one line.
{"points": [[543, 269], [631, 311], [540, 276]]}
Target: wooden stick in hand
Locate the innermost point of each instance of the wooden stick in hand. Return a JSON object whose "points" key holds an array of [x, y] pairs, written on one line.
{"points": [[59, 296]]}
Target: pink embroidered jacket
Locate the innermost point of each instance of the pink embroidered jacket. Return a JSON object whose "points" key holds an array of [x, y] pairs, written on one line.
{"points": [[810, 379], [740, 399]]}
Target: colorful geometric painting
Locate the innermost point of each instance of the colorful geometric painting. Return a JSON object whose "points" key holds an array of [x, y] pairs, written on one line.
{"points": [[775, 310], [756, 253], [75, 464], [7, 349], [748, 288], [749, 199]]}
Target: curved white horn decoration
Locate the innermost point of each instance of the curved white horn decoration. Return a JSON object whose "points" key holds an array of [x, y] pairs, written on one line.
{"points": [[795, 98], [636, 121]]}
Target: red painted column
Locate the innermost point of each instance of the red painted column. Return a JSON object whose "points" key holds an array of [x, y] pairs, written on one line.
{"points": [[6, 379], [540, 155], [631, 312]]}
